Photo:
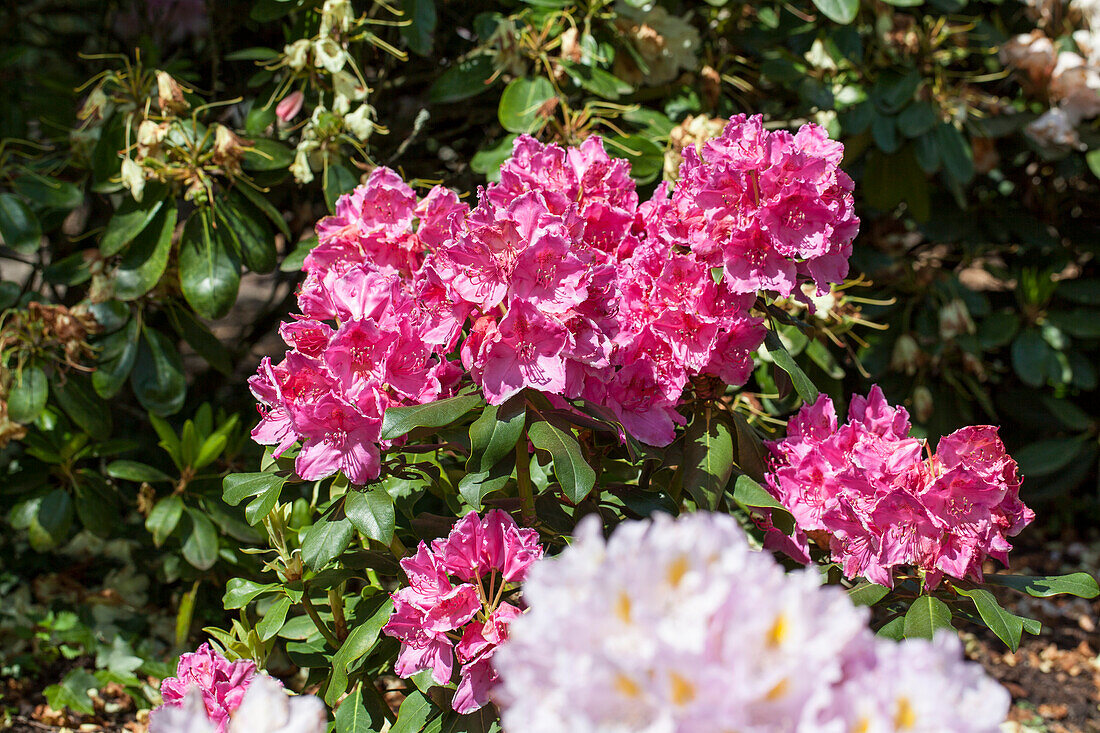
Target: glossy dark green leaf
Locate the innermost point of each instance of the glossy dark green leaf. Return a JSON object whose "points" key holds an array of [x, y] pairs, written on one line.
{"points": [[570, 467], [28, 394], [749, 493], [134, 471], [371, 512], [201, 339], [272, 620], [259, 200], [50, 525], [708, 457], [267, 155], [476, 485], [164, 518], [1007, 626], [147, 257], [399, 420], [419, 31], [49, 193], [838, 11], [353, 716], [131, 218], [239, 592], [465, 79], [646, 157], [955, 152], [324, 541], [209, 268], [1030, 354], [1082, 585], [201, 546], [867, 594], [19, 227], [521, 102], [158, 379], [596, 80], [894, 629], [338, 181], [1048, 457], [359, 643], [415, 712], [96, 503], [116, 359], [80, 402], [802, 384], [250, 230], [884, 132], [927, 615], [916, 119], [494, 434]]}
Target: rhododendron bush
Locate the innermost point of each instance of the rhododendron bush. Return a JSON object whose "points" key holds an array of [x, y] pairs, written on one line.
{"points": [[560, 353]]}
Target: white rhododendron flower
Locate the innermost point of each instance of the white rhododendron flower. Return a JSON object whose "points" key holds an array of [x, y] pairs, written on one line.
{"points": [[677, 626]]}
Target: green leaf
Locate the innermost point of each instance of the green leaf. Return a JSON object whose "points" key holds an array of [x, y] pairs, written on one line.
{"points": [[266, 487], [488, 161], [201, 546], [399, 420], [72, 693], [955, 152], [134, 471], [19, 228], [1047, 457], [916, 119], [338, 181], [131, 218], [359, 643], [352, 716], [884, 132], [596, 80], [158, 380], [1007, 626], [416, 710], [209, 269], [1082, 585], [267, 155], [1092, 158], [867, 593], [273, 619], [708, 457], [419, 31], [239, 592], [371, 512], [164, 518], [894, 629], [571, 469], [80, 402], [646, 157], [201, 339], [1030, 354], [116, 360], [465, 79], [28, 394], [476, 484], [782, 358], [51, 522], [95, 502], [838, 11], [211, 448], [325, 541], [49, 193], [749, 493], [494, 434], [520, 103], [925, 617], [250, 229], [260, 202]]}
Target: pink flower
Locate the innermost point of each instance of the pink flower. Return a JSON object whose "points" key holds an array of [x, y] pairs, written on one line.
{"points": [[289, 106], [492, 552], [524, 350], [867, 485], [221, 683]]}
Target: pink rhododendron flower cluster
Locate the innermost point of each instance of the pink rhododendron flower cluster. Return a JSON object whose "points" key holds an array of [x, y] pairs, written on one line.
{"points": [[883, 504], [767, 207], [676, 625], [210, 697], [558, 280], [375, 326], [221, 683], [453, 606]]}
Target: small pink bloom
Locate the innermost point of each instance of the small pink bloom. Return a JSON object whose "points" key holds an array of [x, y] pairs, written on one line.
{"points": [[289, 106], [221, 683]]}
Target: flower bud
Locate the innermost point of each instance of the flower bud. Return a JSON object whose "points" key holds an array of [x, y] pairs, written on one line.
{"points": [[349, 86], [150, 134], [359, 122], [290, 106], [228, 149], [170, 94], [300, 167]]}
